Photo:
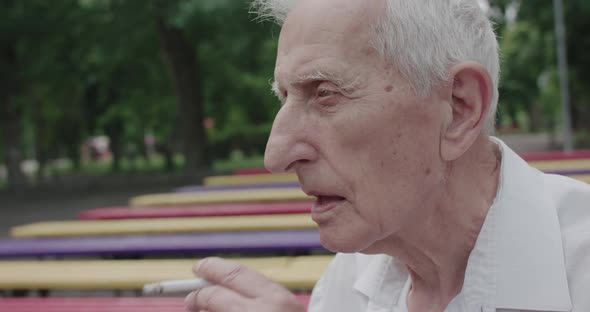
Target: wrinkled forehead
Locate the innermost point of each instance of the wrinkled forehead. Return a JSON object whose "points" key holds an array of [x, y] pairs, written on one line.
{"points": [[326, 21]]}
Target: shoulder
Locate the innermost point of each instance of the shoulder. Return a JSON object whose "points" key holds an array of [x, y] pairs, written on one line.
{"points": [[571, 197], [572, 201]]}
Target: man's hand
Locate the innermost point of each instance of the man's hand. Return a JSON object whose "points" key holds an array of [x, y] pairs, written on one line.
{"points": [[238, 289]]}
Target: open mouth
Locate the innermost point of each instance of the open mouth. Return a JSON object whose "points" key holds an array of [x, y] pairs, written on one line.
{"points": [[326, 202]]}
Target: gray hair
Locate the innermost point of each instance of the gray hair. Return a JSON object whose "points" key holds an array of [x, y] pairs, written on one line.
{"points": [[424, 38]]}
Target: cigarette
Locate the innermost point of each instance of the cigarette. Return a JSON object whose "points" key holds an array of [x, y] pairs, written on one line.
{"points": [[175, 286]]}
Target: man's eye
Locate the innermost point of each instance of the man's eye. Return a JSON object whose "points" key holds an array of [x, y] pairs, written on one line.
{"points": [[326, 92]]}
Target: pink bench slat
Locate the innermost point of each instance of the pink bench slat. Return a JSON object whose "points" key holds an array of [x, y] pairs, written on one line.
{"points": [[100, 304], [196, 211]]}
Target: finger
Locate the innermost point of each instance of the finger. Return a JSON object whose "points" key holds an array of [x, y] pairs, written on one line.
{"points": [[214, 299], [236, 276]]}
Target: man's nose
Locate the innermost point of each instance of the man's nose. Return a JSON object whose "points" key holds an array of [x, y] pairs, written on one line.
{"points": [[288, 144]]}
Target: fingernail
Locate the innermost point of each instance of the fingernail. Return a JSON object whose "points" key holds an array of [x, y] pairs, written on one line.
{"points": [[196, 266]]}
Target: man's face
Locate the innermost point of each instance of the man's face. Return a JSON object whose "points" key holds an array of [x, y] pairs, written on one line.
{"points": [[351, 128]]}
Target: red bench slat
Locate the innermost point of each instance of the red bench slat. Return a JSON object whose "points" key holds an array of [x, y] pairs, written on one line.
{"points": [[556, 155], [196, 211], [100, 304]]}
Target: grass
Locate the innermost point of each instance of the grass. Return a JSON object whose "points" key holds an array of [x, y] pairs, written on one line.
{"points": [[156, 164]]}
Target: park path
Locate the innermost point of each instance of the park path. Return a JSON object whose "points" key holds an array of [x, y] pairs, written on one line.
{"points": [[17, 209]]}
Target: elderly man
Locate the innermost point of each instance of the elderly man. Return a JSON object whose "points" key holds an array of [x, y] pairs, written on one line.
{"points": [[386, 111]]}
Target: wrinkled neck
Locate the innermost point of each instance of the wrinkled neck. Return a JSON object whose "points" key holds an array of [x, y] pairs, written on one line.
{"points": [[436, 250]]}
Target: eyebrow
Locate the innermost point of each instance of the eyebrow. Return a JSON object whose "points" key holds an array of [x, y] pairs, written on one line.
{"points": [[318, 75]]}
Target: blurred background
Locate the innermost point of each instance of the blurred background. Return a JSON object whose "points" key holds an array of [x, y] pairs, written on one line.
{"points": [[104, 99]]}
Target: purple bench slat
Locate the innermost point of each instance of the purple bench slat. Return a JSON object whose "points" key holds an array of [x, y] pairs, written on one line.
{"points": [[196, 211], [202, 188], [569, 172], [198, 243]]}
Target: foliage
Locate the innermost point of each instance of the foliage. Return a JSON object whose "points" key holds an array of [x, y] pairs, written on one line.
{"points": [[529, 83], [94, 67], [250, 140], [73, 69]]}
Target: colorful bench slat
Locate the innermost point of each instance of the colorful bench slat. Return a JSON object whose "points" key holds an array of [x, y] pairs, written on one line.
{"points": [[250, 179], [201, 243], [221, 197], [293, 272], [205, 188], [583, 177], [101, 304], [556, 155], [561, 165], [162, 226], [196, 211], [247, 171]]}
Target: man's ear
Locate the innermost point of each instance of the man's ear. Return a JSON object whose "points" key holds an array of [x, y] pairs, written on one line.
{"points": [[471, 96]]}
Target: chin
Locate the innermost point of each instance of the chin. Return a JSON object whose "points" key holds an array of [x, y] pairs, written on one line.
{"points": [[349, 242]]}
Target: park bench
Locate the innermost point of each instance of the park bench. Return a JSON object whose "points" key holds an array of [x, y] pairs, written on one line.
{"points": [[248, 171], [296, 273], [565, 167], [102, 304], [277, 242], [556, 155], [250, 179], [196, 211], [221, 197], [205, 188], [163, 226]]}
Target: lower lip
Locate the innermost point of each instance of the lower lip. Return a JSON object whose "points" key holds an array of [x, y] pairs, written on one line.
{"points": [[320, 208]]}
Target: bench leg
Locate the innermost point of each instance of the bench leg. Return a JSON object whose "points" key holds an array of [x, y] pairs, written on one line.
{"points": [[43, 293], [19, 293]]}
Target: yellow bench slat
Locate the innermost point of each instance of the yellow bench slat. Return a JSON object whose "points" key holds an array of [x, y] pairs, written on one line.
{"points": [[250, 179], [581, 177], [164, 225], [218, 197], [292, 272]]}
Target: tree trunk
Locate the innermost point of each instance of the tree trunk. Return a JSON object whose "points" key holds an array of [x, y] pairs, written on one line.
{"points": [[181, 62], [10, 127], [535, 117], [41, 138], [10, 116], [166, 150], [114, 130]]}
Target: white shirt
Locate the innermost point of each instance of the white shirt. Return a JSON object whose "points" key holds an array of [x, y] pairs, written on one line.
{"points": [[533, 254]]}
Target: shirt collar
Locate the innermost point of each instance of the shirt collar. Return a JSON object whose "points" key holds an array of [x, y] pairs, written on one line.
{"points": [[530, 266], [381, 279]]}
